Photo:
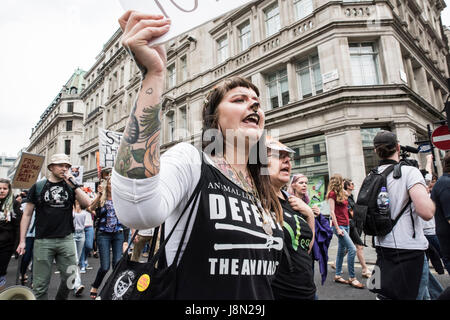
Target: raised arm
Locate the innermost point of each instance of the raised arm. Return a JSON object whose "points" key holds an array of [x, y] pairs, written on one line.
{"points": [[138, 155]]}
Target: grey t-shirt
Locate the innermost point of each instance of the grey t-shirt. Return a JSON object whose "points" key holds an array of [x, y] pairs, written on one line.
{"points": [[401, 237], [79, 219]]}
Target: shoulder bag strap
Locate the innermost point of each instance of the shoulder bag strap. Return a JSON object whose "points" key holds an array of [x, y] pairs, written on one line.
{"points": [[195, 193], [387, 171]]}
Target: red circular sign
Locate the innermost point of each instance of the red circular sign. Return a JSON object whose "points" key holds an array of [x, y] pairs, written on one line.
{"points": [[441, 138]]}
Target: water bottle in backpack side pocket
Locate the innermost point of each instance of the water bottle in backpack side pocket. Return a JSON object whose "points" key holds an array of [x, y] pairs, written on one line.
{"points": [[383, 201]]}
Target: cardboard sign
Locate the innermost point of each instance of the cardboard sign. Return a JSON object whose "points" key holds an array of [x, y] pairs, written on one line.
{"points": [[184, 14], [109, 142], [28, 170]]}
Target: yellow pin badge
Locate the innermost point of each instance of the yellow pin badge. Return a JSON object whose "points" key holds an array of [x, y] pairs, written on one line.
{"points": [[143, 282]]}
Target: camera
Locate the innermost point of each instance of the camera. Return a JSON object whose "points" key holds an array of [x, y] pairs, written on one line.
{"points": [[405, 152]]}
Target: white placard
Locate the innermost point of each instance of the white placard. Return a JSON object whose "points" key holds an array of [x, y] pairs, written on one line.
{"points": [[109, 142], [184, 14], [77, 172], [330, 76]]}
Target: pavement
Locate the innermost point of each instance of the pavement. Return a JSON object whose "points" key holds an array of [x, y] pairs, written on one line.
{"points": [[330, 290]]}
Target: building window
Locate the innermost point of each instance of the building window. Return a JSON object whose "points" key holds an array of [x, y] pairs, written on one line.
{"points": [[170, 127], [67, 147], [272, 19], [69, 106], [363, 58], [245, 36], [122, 76], [183, 121], [222, 48], [183, 63], [370, 157], [171, 75], [310, 78], [303, 8], [115, 81], [277, 84], [310, 156], [69, 125]]}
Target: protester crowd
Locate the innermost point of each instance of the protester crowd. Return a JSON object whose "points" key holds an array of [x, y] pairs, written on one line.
{"points": [[219, 221]]}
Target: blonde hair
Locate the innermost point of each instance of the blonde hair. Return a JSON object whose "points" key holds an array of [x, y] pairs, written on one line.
{"points": [[336, 185], [104, 185], [98, 203]]}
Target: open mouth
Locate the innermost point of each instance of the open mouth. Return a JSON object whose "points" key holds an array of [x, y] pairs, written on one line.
{"points": [[286, 170], [252, 118]]}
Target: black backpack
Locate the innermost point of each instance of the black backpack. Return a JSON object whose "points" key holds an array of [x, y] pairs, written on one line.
{"points": [[366, 213]]}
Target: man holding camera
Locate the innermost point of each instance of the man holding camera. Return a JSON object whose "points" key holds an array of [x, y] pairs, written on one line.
{"points": [[53, 199], [401, 253]]}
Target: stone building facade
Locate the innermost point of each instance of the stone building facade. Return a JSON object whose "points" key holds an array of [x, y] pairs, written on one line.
{"points": [[331, 74], [60, 127]]}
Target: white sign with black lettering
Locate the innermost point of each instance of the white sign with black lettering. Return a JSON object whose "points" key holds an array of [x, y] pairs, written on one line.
{"points": [[185, 14], [109, 142]]}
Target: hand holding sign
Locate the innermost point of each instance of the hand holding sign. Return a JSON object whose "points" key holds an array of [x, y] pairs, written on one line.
{"points": [[185, 14], [138, 30]]}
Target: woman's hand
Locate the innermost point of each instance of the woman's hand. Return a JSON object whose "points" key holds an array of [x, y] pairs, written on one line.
{"points": [[316, 210], [138, 30], [339, 231], [300, 206], [21, 248]]}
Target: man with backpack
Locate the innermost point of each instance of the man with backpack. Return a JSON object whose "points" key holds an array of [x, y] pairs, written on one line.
{"points": [[53, 200], [389, 204]]}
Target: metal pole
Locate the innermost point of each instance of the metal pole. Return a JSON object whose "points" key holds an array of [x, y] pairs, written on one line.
{"points": [[432, 149]]}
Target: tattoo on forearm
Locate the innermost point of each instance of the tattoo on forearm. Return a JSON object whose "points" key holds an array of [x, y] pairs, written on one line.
{"points": [[131, 134], [149, 91], [149, 123], [138, 155]]}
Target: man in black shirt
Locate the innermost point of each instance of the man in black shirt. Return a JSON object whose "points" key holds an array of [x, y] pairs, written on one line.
{"points": [[441, 197], [53, 199]]}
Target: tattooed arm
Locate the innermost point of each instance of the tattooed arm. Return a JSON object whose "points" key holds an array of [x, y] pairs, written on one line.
{"points": [[138, 155]]}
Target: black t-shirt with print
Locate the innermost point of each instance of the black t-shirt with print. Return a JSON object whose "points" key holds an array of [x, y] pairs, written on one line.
{"points": [[298, 284], [228, 255], [53, 210]]}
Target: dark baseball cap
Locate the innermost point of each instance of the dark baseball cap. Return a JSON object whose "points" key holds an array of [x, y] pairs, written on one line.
{"points": [[384, 137]]}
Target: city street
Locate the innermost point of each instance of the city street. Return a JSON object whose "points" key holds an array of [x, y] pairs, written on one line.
{"points": [[329, 291]]}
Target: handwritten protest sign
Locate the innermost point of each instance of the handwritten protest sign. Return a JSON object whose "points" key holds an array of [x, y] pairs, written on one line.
{"points": [[27, 171], [184, 14], [109, 142]]}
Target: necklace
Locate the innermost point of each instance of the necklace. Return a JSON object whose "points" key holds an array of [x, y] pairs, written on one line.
{"points": [[265, 224]]}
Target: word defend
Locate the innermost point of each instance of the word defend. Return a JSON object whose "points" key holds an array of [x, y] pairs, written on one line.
{"points": [[109, 142], [27, 171], [184, 14]]}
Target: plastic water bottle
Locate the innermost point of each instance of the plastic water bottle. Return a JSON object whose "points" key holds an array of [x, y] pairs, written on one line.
{"points": [[383, 201]]}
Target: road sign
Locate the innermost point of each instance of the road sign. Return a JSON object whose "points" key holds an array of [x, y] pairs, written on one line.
{"points": [[441, 138], [424, 148]]}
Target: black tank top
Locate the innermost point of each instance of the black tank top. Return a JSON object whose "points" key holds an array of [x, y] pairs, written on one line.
{"points": [[228, 255]]}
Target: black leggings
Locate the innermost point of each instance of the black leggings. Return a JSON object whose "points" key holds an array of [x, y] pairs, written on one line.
{"points": [[5, 256]]}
